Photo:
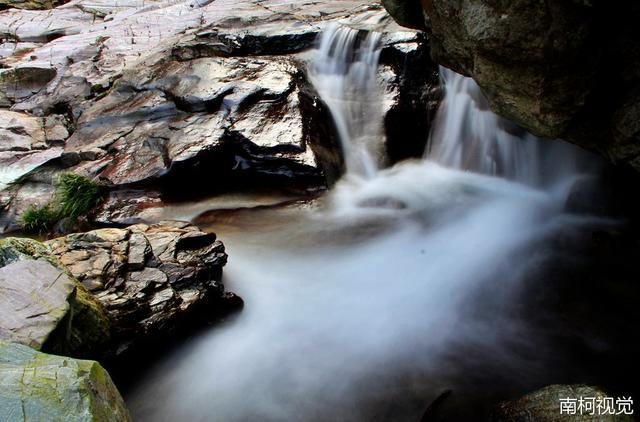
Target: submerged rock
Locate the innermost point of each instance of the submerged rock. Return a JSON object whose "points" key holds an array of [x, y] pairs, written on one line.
{"points": [[43, 306], [544, 406], [561, 69], [40, 387], [150, 279]]}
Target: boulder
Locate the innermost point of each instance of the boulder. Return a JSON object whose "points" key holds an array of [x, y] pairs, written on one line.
{"points": [[561, 69], [43, 306], [544, 406], [39, 387], [407, 13], [219, 92], [151, 279]]}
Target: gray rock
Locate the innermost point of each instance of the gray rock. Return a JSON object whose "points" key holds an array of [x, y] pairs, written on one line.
{"points": [[43, 306], [39, 387], [406, 12], [34, 301]]}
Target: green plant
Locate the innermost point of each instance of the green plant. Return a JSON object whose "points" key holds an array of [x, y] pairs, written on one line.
{"points": [[76, 195], [39, 220]]}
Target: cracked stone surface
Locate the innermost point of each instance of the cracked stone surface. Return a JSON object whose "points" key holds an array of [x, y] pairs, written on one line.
{"points": [[149, 278], [153, 94]]}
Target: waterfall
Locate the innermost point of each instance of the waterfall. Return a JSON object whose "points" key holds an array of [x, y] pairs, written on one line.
{"points": [[467, 135], [410, 281], [344, 73]]}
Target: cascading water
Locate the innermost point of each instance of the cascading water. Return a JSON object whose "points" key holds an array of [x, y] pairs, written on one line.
{"points": [[402, 286], [344, 73], [467, 135]]}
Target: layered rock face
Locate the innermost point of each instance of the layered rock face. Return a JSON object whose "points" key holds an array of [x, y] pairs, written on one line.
{"points": [[150, 279], [40, 387], [561, 69], [147, 99], [98, 293]]}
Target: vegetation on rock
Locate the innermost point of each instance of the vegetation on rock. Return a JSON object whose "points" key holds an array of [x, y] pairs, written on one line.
{"points": [[75, 196], [42, 387]]}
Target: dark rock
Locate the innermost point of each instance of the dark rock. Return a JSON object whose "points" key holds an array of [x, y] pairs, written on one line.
{"points": [[416, 96], [561, 69], [406, 12]]}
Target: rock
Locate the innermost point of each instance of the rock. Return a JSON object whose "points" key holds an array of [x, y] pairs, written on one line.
{"points": [[27, 142], [219, 93], [151, 279], [40, 387], [561, 69], [544, 406], [43, 306], [29, 4], [406, 12], [21, 82]]}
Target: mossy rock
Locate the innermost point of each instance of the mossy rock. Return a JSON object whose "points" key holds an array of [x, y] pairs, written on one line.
{"points": [[29, 4], [44, 306], [38, 387], [544, 406]]}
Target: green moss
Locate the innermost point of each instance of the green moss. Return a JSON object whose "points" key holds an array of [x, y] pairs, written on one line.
{"points": [[16, 248], [75, 196], [43, 387]]}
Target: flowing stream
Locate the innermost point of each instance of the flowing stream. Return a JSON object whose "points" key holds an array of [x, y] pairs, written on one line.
{"points": [[401, 283]]}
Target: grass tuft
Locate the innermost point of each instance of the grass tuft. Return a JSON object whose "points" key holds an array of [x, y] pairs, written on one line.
{"points": [[39, 220], [75, 196]]}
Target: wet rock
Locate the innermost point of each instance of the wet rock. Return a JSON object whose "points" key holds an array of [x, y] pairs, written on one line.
{"points": [[41, 387], [560, 69], [219, 94], [43, 306], [151, 279], [544, 406]]}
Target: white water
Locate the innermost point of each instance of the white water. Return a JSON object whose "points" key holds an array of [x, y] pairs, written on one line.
{"points": [[344, 73], [403, 284], [466, 135]]}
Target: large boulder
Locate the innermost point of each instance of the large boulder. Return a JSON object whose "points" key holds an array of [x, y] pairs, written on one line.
{"points": [[39, 387], [218, 92], [43, 306], [544, 406], [151, 279], [561, 69]]}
